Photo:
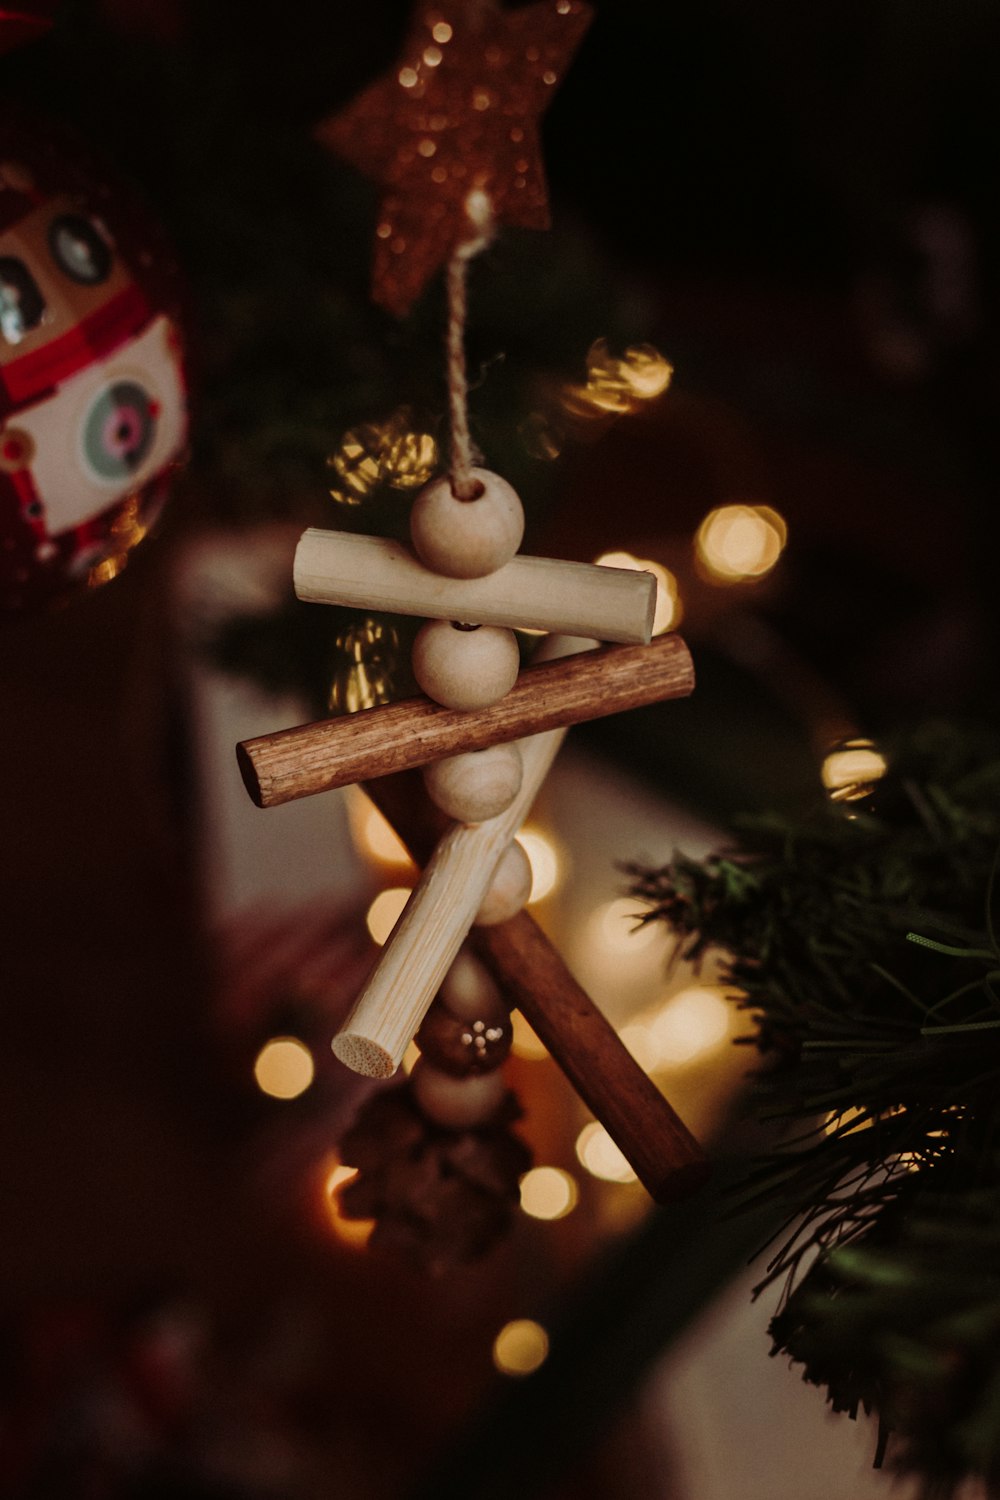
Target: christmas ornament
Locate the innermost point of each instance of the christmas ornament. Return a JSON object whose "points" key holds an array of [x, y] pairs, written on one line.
{"points": [[441, 1196], [364, 666], [382, 453], [458, 113], [23, 23], [466, 114], [92, 388]]}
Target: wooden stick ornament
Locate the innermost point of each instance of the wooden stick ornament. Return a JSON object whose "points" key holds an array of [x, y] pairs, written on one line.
{"points": [[479, 718], [293, 763], [531, 593]]}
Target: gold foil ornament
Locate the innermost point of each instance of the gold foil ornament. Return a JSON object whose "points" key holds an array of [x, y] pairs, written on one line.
{"points": [[617, 384], [364, 666], [377, 453], [457, 114]]}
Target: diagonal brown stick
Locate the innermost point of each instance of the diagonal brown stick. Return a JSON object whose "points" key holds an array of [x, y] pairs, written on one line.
{"points": [[312, 758], [661, 1150]]}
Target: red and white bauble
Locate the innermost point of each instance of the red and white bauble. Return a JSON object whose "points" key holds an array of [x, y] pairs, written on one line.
{"points": [[93, 410]]}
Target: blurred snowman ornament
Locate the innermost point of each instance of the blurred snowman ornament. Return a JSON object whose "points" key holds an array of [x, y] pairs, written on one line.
{"points": [[93, 411]]}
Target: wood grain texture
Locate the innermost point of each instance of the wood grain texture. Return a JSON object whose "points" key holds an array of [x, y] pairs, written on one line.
{"points": [[538, 593], [661, 1150], [433, 926], [377, 742]]}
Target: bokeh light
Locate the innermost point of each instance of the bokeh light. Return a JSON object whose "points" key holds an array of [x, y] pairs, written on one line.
{"points": [[851, 769], [373, 835], [284, 1068], [545, 861], [548, 1193], [668, 610], [525, 1042], [385, 911], [599, 1155], [352, 1233], [691, 1023], [736, 543], [613, 928], [520, 1347]]}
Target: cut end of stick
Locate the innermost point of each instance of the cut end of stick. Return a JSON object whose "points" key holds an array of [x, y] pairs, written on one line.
{"points": [[249, 773], [681, 1181], [362, 1055], [650, 607]]}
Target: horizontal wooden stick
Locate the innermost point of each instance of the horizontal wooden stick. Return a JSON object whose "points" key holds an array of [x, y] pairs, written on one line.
{"points": [[435, 922], [657, 1144], [536, 593], [313, 758]]}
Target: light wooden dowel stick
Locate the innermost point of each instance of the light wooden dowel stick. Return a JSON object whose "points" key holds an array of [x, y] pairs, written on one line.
{"points": [[657, 1144], [537, 593], [442, 907], [313, 758], [435, 921]]}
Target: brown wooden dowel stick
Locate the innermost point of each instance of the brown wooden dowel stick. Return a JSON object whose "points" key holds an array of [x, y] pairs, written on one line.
{"points": [[539, 593], [655, 1141], [658, 1145], [313, 758]]}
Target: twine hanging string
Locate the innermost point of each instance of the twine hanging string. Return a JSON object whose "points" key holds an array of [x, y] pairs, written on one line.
{"points": [[479, 217]]}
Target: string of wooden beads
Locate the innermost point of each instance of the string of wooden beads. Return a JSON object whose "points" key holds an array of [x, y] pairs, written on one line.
{"points": [[466, 1033], [464, 1039]]}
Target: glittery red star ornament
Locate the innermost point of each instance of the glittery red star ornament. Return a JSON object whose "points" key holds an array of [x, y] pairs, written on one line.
{"points": [[22, 23], [457, 114]]}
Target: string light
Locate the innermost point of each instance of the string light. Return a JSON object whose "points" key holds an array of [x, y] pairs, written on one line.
{"points": [[599, 1155], [284, 1068], [525, 1043], [545, 861], [520, 1347], [613, 928], [617, 384], [548, 1193], [736, 543], [373, 835], [385, 911], [638, 1039], [690, 1024], [352, 1233], [850, 770]]}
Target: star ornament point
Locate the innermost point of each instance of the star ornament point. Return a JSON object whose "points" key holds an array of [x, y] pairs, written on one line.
{"points": [[457, 114]]}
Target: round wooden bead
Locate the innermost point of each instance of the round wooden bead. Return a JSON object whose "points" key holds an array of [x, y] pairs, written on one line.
{"points": [[509, 888], [467, 538], [476, 785], [470, 992], [458, 1103], [465, 667], [463, 1047]]}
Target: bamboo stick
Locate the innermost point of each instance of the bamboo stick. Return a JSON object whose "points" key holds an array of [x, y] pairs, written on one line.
{"points": [[312, 758], [537, 593], [657, 1144]]}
